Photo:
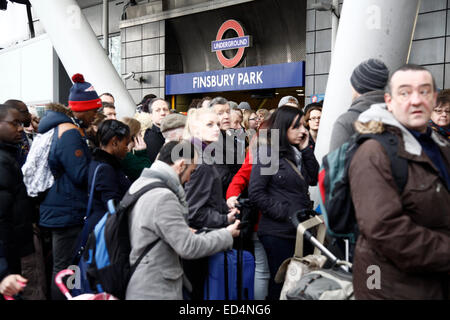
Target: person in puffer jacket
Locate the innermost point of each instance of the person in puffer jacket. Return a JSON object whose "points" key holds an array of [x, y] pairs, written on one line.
{"points": [[64, 207]]}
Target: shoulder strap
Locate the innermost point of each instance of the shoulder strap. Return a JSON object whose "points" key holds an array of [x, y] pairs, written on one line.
{"points": [[130, 198], [91, 193], [399, 165], [295, 168], [127, 202]]}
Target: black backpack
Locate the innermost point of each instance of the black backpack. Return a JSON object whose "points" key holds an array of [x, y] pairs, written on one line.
{"points": [[108, 248], [336, 203]]}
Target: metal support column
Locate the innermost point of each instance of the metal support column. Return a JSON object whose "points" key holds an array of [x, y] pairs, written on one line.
{"points": [[381, 29], [80, 51]]}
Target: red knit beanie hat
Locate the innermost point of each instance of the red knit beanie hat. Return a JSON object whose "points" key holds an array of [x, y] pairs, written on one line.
{"points": [[83, 96]]}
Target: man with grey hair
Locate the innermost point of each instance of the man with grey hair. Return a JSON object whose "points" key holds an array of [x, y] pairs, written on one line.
{"points": [[230, 163], [159, 109]]}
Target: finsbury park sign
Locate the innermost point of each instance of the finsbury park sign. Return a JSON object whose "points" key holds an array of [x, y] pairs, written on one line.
{"points": [[235, 79]]}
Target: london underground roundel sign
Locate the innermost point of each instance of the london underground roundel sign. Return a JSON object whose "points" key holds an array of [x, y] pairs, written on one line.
{"points": [[240, 42]]}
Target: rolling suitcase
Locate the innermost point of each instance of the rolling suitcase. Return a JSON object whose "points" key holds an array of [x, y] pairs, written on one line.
{"points": [[231, 276]]}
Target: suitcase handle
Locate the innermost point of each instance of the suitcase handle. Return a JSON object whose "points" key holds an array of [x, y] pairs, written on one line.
{"points": [[316, 221]]}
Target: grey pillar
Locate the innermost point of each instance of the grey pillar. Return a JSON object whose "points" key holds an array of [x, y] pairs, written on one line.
{"points": [[80, 51], [381, 29]]}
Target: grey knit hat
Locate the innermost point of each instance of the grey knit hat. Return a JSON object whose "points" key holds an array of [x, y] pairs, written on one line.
{"points": [[369, 75], [173, 121], [244, 106]]}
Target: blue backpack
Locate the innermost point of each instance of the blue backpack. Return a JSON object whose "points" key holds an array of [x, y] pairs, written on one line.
{"points": [[105, 260]]}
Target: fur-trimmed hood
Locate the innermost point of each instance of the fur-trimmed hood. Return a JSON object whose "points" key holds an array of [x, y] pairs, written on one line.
{"points": [[372, 121], [55, 114]]}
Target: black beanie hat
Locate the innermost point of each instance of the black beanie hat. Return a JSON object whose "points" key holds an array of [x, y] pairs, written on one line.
{"points": [[369, 75]]}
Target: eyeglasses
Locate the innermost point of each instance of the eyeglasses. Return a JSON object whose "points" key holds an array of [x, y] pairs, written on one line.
{"points": [[314, 119], [14, 123], [440, 110]]}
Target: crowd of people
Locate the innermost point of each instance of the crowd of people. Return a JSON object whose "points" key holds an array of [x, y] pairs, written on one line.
{"points": [[92, 158]]}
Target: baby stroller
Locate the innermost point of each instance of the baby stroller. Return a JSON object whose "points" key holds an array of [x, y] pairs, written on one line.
{"points": [[88, 296]]}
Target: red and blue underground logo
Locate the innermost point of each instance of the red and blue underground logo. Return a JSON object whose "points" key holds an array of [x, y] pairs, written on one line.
{"points": [[240, 42]]}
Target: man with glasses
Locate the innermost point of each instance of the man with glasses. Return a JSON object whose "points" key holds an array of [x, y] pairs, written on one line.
{"points": [[440, 117], [403, 250], [16, 233]]}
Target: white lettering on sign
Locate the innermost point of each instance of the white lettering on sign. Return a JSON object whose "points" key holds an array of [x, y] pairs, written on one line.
{"points": [[227, 80]]}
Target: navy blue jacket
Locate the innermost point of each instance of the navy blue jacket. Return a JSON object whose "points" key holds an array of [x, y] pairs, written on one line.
{"points": [[66, 201], [110, 183], [279, 193]]}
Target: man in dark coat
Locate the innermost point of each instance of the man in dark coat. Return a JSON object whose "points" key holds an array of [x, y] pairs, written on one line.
{"points": [[403, 250], [159, 109], [64, 207], [367, 81], [16, 233], [227, 160], [25, 118]]}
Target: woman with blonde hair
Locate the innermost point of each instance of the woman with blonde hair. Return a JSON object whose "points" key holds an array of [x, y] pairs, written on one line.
{"points": [[204, 194], [136, 159], [262, 114]]}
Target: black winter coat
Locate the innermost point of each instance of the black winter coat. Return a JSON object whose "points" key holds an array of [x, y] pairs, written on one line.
{"points": [[279, 193], [110, 182], [227, 169], [17, 211], [204, 195]]}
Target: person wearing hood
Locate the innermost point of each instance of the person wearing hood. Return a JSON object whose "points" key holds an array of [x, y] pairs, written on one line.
{"points": [[64, 207], [403, 249], [367, 82], [162, 213]]}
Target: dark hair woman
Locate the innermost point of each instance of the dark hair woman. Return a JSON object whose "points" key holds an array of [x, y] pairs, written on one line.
{"points": [[279, 187], [440, 117], [105, 175]]}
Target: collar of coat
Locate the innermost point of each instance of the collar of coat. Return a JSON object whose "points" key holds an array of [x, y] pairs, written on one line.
{"points": [[103, 156], [9, 147], [380, 113], [163, 172]]}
